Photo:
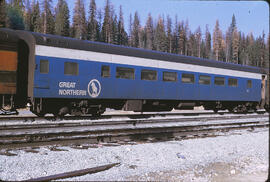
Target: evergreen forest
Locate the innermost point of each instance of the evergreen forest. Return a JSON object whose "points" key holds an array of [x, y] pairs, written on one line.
{"points": [[106, 24]]}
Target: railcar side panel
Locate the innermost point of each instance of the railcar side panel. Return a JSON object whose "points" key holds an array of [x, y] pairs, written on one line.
{"points": [[205, 90], [188, 91], [56, 84], [145, 87]]}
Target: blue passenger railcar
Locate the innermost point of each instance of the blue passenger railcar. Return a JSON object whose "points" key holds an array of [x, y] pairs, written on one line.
{"points": [[80, 77]]}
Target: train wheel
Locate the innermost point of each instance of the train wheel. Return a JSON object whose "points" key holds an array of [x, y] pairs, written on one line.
{"points": [[63, 111]]}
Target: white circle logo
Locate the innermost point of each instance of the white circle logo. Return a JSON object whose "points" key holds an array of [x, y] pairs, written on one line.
{"points": [[94, 88]]}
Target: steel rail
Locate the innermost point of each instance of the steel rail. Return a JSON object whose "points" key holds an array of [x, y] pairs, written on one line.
{"points": [[121, 122], [110, 116], [106, 134]]}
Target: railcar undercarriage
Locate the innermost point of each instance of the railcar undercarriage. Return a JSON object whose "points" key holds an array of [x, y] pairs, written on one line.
{"points": [[61, 107], [231, 106]]}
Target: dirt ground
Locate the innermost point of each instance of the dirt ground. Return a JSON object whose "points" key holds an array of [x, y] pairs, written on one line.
{"points": [[217, 172]]}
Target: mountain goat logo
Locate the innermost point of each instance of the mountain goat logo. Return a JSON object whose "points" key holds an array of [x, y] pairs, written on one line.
{"points": [[94, 88]]}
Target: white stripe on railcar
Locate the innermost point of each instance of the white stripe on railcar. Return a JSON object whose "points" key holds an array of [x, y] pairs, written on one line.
{"points": [[135, 61]]}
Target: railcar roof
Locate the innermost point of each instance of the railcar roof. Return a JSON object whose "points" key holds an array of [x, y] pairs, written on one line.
{"points": [[8, 39], [72, 43]]}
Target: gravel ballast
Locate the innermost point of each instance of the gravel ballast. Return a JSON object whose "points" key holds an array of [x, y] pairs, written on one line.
{"points": [[225, 158]]}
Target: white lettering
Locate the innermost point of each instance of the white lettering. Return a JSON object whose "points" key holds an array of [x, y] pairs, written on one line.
{"points": [[70, 89], [72, 92], [67, 84]]}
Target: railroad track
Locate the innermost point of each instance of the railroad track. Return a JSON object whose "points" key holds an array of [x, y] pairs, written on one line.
{"points": [[125, 130], [32, 118]]}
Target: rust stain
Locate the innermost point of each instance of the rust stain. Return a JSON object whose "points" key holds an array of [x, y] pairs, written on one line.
{"points": [[8, 60]]}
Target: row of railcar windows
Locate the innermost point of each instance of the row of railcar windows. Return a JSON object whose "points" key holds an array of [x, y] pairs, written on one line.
{"points": [[72, 68], [146, 74]]}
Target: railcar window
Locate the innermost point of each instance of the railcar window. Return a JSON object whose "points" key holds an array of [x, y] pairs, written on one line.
{"points": [[219, 80], [71, 68], [149, 75], [204, 79], [8, 76], [126, 73], [44, 66], [169, 76], [188, 78], [233, 82], [249, 84], [105, 71]]}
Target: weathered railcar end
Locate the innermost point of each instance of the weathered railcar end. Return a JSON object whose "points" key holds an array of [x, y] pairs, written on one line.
{"points": [[16, 68], [8, 67]]}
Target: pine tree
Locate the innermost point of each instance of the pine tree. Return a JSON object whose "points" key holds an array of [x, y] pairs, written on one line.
{"points": [[15, 18], [92, 28], [79, 21], [107, 27], [254, 56], [142, 38], [149, 33], [3, 14], [263, 49], [229, 40], [186, 30], [114, 30], [267, 56], [35, 24], [130, 30], [242, 49], [135, 31], [222, 49], [175, 36], [257, 52], [122, 35], [169, 34], [228, 45], [182, 41], [198, 39], [250, 50], [191, 45], [262, 46], [27, 15], [203, 49], [48, 21], [106, 32], [160, 36], [217, 42], [235, 46], [184, 46], [62, 18], [207, 43]]}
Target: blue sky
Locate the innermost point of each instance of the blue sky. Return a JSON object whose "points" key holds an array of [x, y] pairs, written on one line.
{"points": [[251, 16]]}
